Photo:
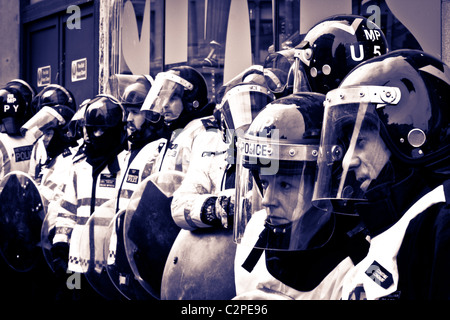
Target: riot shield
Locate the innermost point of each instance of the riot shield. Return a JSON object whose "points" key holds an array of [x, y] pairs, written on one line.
{"points": [[21, 216], [92, 251], [117, 265], [200, 266], [149, 229]]}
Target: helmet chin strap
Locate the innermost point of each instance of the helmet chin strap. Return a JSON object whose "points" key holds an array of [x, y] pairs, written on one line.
{"points": [[271, 233]]}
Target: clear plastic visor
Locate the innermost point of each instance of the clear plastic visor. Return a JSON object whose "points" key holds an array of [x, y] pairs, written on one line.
{"points": [[167, 86], [351, 131], [46, 118], [120, 84], [240, 106], [283, 69], [273, 207], [276, 69]]}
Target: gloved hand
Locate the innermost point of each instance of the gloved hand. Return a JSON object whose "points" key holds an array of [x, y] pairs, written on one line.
{"points": [[225, 206], [219, 210], [60, 255]]}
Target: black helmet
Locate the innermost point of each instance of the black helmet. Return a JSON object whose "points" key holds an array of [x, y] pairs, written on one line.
{"points": [[53, 108], [405, 96], [53, 95], [186, 83], [336, 45], [14, 110], [104, 122], [281, 143], [27, 91], [104, 111]]}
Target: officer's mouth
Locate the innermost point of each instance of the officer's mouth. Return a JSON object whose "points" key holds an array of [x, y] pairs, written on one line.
{"points": [[276, 220]]}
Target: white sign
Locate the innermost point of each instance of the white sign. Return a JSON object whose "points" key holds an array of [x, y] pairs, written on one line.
{"points": [[44, 76], [79, 69]]}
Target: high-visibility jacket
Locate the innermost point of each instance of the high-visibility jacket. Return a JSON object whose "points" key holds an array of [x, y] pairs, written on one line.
{"points": [[205, 178], [15, 154], [136, 171], [377, 276], [177, 152], [82, 195], [52, 178], [260, 284]]}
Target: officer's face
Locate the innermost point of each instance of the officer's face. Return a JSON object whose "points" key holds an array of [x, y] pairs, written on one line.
{"points": [[135, 120], [282, 194], [47, 137], [172, 109], [369, 157]]}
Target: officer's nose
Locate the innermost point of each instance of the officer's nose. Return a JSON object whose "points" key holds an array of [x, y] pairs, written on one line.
{"points": [[270, 199], [351, 160]]}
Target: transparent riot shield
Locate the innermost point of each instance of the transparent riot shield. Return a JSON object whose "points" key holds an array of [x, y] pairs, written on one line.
{"points": [[21, 216], [47, 234], [149, 229], [200, 266], [117, 265], [92, 251]]}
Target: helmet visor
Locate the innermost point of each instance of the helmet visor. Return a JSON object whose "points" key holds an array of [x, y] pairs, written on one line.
{"points": [[75, 127], [46, 118], [275, 205], [240, 106], [276, 69], [351, 129], [126, 88], [167, 87]]}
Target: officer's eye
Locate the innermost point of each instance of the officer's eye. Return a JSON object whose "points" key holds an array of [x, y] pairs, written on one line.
{"points": [[361, 142], [264, 184], [285, 185]]}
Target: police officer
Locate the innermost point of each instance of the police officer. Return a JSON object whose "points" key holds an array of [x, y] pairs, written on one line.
{"points": [[386, 138], [141, 132], [284, 251], [144, 144], [15, 110], [205, 200], [52, 154], [92, 180], [206, 196], [180, 95]]}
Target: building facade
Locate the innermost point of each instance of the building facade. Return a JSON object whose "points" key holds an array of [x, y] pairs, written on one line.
{"points": [[81, 43]]}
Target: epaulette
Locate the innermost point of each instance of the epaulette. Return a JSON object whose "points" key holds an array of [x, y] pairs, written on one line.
{"points": [[210, 123], [67, 152]]}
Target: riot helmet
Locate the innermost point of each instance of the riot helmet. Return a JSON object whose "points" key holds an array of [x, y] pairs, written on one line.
{"points": [[14, 110], [276, 169], [53, 109], [180, 95], [253, 73], [104, 127], [402, 99], [336, 45], [27, 91], [240, 105], [131, 91], [278, 72], [76, 124]]}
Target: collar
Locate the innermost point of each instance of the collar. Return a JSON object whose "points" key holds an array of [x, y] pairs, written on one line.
{"points": [[389, 200]]}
